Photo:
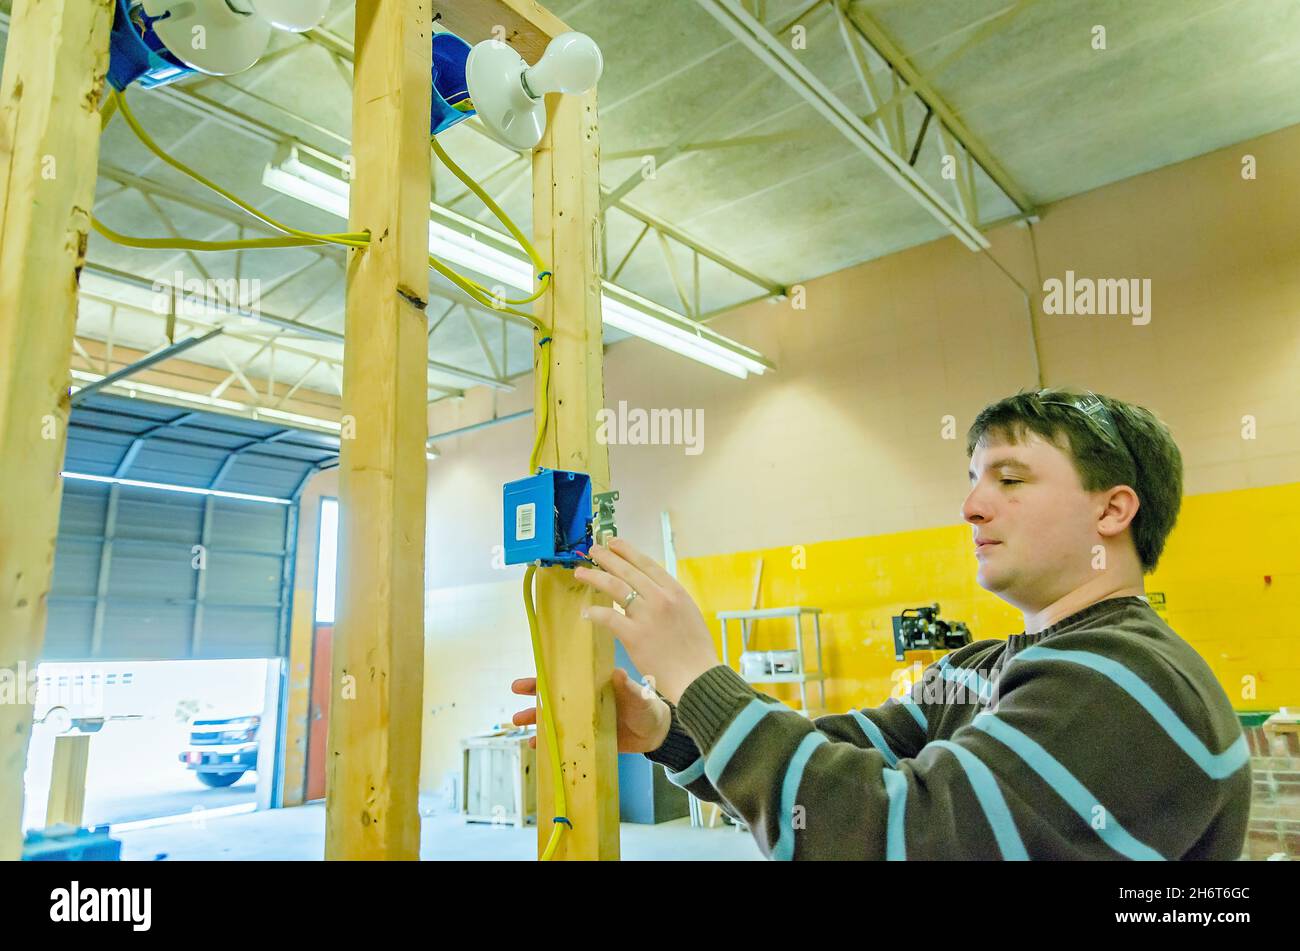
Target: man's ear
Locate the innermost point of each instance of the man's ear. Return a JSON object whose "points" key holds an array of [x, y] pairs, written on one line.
{"points": [[1121, 506]]}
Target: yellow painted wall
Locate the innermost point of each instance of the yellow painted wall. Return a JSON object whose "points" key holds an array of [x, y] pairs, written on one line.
{"points": [[1212, 575]]}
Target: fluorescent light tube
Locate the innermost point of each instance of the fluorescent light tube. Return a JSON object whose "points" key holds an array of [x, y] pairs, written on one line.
{"points": [[202, 399], [456, 239], [298, 179], [644, 317], [629, 321], [168, 487]]}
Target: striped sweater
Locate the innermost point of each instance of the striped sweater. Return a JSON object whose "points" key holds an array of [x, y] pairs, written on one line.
{"points": [[1104, 736]]}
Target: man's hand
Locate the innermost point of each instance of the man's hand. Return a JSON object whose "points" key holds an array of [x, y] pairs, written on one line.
{"points": [[662, 629], [643, 718]]}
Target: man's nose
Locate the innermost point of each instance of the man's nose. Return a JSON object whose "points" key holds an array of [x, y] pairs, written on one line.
{"points": [[974, 509]]}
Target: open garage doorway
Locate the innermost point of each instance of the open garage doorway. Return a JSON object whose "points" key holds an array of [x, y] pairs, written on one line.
{"points": [[322, 643], [168, 740], [169, 613]]}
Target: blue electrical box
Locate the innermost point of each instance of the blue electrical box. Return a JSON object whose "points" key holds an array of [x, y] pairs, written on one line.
{"points": [[136, 52], [548, 519], [450, 102]]}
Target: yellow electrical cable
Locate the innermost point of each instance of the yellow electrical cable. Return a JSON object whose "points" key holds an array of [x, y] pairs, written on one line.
{"points": [[543, 274], [543, 285], [546, 716], [543, 409], [107, 111], [484, 197], [479, 293], [350, 239], [548, 721], [476, 290], [187, 244], [116, 102]]}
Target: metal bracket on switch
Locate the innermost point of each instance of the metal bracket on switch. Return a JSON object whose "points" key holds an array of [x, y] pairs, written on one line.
{"points": [[603, 527]]}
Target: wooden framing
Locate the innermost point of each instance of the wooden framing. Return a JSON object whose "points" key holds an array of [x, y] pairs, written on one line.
{"points": [[566, 222], [524, 24], [67, 802], [373, 769], [55, 63], [579, 659]]}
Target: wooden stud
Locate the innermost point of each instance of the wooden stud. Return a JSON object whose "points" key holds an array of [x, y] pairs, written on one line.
{"points": [[67, 802], [54, 68], [375, 716], [566, 217], [523, 24], [579, 659]]}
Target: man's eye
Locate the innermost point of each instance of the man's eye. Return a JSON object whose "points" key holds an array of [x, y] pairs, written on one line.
{"points": [[1011, 481]]}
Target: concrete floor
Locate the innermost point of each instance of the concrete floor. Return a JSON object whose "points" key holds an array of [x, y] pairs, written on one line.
{"points": [[299, 833], [113, 806]]}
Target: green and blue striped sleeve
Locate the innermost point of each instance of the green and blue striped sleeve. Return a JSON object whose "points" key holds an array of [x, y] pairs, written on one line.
{"points": [[897, 729], [1091, 748]]}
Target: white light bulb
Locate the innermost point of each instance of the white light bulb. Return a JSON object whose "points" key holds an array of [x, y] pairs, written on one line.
{"points": [[297, 16], [571, 64]]}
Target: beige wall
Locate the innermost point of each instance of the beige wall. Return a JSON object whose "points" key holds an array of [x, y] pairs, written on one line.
{"points": [[464, 500], [844, 439], [476, 634], [476, 643]]}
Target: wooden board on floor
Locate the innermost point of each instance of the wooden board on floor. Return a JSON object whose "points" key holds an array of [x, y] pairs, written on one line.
{"points": [[67, 801]]}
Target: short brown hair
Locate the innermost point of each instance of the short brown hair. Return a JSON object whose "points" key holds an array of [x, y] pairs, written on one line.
{"points": [[1148, 460]]}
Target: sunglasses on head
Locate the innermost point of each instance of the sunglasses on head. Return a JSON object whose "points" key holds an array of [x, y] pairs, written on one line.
{"points": [[1091, 406]]}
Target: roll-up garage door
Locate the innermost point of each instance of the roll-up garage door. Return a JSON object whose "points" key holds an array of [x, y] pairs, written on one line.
{"points": [[146, 570]]}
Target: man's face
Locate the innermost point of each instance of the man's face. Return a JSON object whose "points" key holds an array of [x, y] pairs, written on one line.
{"points": [[1034, 523]]}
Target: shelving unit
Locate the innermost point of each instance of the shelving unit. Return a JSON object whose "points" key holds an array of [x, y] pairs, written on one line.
{"points": [[802, 676]]}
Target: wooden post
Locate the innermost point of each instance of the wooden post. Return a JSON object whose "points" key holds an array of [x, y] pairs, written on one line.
{"points": [[525, 25], [374, 732], [67, 802], [579, 660], [54, 68], [566, 222]]}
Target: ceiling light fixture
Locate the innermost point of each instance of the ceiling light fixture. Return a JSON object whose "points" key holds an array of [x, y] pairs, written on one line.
{"points": [[169, 487], [170, 394], [319, 182]]}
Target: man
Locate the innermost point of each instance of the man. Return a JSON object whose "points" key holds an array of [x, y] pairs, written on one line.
{"points": [[1097, 733]]}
